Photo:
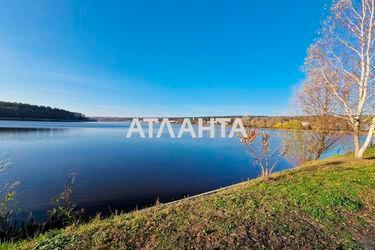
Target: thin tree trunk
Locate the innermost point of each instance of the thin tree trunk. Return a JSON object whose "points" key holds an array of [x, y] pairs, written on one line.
{"points": [[365, 145], [357, 145]]}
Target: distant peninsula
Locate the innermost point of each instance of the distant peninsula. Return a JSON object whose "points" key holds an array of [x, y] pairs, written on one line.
{"points": [[22, 111]]}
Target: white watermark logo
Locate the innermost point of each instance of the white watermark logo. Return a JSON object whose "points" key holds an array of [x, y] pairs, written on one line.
{"points": [[186, 128]]}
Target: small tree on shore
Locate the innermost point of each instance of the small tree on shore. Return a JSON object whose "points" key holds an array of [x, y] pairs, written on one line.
{"points": [[315, 101], [261, 154], [344, 59]]}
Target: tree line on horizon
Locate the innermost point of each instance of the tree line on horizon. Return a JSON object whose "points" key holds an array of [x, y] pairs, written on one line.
{"points": [[13, 110]]}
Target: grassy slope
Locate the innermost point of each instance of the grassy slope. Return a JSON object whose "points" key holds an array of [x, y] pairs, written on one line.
{"points": [[325, 204]]}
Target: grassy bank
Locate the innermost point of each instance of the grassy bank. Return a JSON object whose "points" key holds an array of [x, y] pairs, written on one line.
{"points": [[324, 204]]}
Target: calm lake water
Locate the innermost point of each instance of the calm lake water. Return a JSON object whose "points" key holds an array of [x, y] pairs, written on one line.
{"points": [[114, 172]]}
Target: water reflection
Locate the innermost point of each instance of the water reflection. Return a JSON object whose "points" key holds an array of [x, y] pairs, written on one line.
{"points": [[14, 134], [114, 172]]}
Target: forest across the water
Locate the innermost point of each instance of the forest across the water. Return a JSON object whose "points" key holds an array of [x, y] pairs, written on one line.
{"points": [[21, 111]]}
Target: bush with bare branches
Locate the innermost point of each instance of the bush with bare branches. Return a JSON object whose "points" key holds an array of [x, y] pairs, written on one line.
{"points": [[316, 101], [262, 155]]}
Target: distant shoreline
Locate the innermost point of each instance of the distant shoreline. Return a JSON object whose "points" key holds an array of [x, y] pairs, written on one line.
{"points": [[43, 119], [118, 119]]}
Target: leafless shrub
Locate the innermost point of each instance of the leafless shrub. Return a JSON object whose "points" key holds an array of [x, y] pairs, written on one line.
{"points": [[261, 153], [308, 145]]}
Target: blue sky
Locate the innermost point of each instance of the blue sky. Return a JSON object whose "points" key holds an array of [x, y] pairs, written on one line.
{"points": [[156, 58]]}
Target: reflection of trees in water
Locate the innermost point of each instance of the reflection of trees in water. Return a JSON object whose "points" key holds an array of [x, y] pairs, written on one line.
{"points": [[32, 133]]}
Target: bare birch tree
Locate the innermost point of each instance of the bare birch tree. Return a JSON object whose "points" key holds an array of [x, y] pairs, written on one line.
{"points": [[344, 57], [316, 102]]}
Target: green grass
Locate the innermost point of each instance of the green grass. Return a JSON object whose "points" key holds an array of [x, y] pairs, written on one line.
{"points": [[323, 204]]}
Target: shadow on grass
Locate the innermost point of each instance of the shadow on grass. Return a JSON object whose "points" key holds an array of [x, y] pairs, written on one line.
{"points": [[331, 164]]}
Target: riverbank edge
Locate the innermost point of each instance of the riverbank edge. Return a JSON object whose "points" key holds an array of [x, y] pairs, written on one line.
{"points": [[135, 229]]}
